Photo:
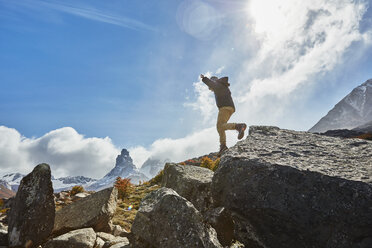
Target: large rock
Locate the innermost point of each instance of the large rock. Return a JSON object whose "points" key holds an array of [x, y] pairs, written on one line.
{"points": [[297, 189], [31, 216], [166, 219], [191, 182], [93, 211], [81, 238]]}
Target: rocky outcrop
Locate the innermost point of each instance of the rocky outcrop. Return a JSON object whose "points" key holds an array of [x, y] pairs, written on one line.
{"points": [[82, 238], [365, 128], [296, 189], [166, 219], [342, 133], [31, 216], [190, 182], [93, 211]]}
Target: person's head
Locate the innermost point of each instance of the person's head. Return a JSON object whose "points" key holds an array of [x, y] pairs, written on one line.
{"points": [[223, 80]]}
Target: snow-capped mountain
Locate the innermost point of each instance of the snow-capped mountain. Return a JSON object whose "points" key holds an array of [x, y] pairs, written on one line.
{"points": [[124, 168], [11, 181], [352, 111], [65, 183], [151, 167]]}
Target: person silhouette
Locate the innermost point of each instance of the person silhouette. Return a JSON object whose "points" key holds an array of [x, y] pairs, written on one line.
{"points": [[226, 107]]}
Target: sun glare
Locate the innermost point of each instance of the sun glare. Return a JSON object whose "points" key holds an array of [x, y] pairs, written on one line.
{"points": [[276, 19], [268, 15]]}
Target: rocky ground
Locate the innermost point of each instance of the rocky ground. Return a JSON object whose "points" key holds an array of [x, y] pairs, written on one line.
{"points": [[277, 188]]}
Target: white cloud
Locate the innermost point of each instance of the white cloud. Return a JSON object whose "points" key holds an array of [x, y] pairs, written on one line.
{"points": [[300, 40], [65, 150], [205, 102], [219, 70], [196, 144]]}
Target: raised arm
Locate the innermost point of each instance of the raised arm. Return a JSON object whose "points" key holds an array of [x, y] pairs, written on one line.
{"points": [[211, 84]]}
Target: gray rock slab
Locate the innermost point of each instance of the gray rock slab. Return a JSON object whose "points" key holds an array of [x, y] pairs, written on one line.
{"points": [[165, 219], [81, 238], [31, 217], [110, 239], [296, 189], [191, 182], [94, 211], [121, 245], [117, 230], [99, 243]]}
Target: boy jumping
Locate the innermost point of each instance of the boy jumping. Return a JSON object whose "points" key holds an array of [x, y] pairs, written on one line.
{"points": [[226, 108]]}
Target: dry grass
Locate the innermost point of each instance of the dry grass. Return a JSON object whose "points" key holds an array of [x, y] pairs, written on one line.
{"points": [[125, 217], [366, 136]]}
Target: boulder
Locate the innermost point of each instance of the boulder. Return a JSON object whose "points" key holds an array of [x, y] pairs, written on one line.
{"points": [[3, 238], [99, 243], [296, 189], [93, 211], [165, 219], [81, 238], [220, 219], [117, 230], [191, 182], [31, 217], [111, 240]]}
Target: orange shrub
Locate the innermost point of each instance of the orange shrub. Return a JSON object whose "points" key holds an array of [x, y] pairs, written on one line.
{"points": [[124, 186], [209, 163], [77, 189]]}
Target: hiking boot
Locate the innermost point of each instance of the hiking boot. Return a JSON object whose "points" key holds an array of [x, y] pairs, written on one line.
{"points": [[241, 128], [223, 148]]}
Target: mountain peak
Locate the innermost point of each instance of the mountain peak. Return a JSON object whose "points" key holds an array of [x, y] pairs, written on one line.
{"points": [[353, 110], [124, 158]]}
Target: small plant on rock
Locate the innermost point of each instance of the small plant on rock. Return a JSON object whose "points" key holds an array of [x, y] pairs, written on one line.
{"points": [[77, 189], [124, 187], [209, 163]]}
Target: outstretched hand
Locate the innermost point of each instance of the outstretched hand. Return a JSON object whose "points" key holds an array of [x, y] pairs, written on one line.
{"points": [[202, 76]]}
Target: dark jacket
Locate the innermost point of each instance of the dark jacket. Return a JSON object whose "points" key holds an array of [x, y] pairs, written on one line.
{"points": [[221, 91]]}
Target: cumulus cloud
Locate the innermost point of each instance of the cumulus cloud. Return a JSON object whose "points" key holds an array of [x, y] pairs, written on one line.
{"points": [[298, 42], [177, 150], [205, 102], [64, 149]]}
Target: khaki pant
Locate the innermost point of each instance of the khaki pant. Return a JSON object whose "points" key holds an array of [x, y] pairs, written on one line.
{"points": [[224, 115]]}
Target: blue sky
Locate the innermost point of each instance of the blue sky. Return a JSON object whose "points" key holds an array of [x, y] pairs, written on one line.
{"points": [[128, 70]]}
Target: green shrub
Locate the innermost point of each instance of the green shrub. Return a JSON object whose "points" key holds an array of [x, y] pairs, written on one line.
{"points": [[77, 189]]}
